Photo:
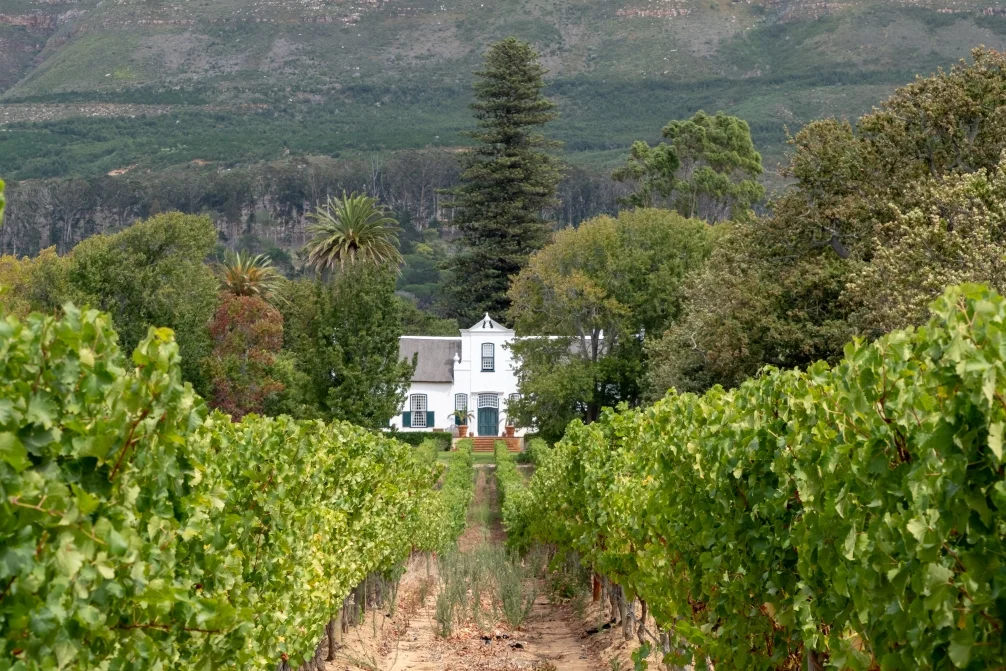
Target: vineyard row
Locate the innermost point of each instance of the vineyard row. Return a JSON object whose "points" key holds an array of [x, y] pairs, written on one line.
{"points": [[138, 530], [849, 516]]}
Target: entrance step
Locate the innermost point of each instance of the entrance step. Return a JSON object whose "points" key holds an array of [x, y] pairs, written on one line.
{"points": [[488, 443]]}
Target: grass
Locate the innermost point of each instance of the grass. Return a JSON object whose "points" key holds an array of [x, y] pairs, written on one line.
{"points": [[478, 458]]}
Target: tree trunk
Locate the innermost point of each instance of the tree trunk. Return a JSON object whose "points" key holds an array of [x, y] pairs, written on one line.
{"points": [[813, 662], [360, 599], [595, 588], [641, 630], [613, 599], [330, 632], [628, 608]]}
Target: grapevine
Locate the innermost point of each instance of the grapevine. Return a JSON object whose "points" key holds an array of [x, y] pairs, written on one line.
{"points": [[138, 530], [851, 516]]}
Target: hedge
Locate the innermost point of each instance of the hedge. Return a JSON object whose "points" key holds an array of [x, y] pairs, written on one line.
{"points": [[415, 438]]}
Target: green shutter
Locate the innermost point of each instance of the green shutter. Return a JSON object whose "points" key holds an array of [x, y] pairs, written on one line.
{"points": [[406, 420], [429, 419]]}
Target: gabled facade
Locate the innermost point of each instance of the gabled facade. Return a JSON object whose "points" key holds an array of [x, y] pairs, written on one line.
{"points": [[473, 372]]}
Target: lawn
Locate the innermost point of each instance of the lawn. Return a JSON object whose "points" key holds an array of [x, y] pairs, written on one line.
{"points": [[477, 457]]}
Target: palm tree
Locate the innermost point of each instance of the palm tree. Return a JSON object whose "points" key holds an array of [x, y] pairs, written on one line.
{"points": [[247, 275], [352, 229]]}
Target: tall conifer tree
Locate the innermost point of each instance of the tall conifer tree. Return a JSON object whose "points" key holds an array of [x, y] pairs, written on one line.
{"points": [[508, 182]]}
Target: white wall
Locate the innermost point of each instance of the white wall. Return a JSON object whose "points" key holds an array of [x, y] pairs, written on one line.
{"points": [[439, 400], [470, 379]]}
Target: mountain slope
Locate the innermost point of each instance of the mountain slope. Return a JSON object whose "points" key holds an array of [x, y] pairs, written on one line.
{"points": [[117, 83]]}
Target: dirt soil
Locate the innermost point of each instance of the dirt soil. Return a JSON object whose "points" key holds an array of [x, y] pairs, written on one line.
{"points": [[554, 638]]}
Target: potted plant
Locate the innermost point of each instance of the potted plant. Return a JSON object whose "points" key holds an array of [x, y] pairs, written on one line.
{"points": [[462, 417], [509, 428]]}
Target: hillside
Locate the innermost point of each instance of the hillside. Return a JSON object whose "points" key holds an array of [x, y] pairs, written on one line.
{"points": [[118, 83]]}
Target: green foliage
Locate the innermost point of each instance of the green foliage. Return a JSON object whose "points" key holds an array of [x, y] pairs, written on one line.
{"points": [[352, 229], [537, 449], [419, 322], [427, 452], [513, 497], [855, 511], [443, 514], [140, 532], [343, 336], [955, 232], [247, 275], [600, 288], [152, 274], [709, 170], [859, 243], [507, 181], [33, 284]]}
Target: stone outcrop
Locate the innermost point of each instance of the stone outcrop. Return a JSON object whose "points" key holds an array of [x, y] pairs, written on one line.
{"points": [[37, 20]]}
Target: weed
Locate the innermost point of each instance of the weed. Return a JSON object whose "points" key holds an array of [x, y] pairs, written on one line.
{"points": [[483, 586], [515, 589]]}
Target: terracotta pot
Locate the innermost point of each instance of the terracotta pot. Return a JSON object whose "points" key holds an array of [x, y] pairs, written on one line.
{"points": [[509, 432], [462, 431]]}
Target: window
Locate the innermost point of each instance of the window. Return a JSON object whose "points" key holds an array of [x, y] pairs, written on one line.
{"points": [[488, 356], [417, 403], [461, 402], [489, 401]]}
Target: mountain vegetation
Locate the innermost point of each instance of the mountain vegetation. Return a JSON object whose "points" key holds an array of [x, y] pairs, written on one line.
{"points": [[89, 87]]}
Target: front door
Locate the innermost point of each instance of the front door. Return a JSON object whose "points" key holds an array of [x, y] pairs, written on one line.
{"points": [[488, 421]]}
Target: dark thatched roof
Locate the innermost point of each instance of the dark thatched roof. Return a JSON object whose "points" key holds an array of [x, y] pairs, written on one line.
{"points": [[436, 357]]}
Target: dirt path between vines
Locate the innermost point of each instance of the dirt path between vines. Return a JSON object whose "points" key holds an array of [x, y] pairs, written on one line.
{"points": [[552, 639]]}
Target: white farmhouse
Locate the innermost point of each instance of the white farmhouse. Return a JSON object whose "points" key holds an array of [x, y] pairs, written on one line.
{"points": [[472, 373]]}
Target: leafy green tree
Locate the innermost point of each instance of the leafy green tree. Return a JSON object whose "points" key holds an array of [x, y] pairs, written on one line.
{"points": [[881, 215], [954, 233], [343, 339], [152, 274], [36, 284], [709, 170], [419, 322], [247, 275], [749, 306], [351, 229], [508, 182], [598, 291]]}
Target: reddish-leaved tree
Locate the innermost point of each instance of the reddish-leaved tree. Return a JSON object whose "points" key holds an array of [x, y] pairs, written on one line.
{"points": [[247, 335]]}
